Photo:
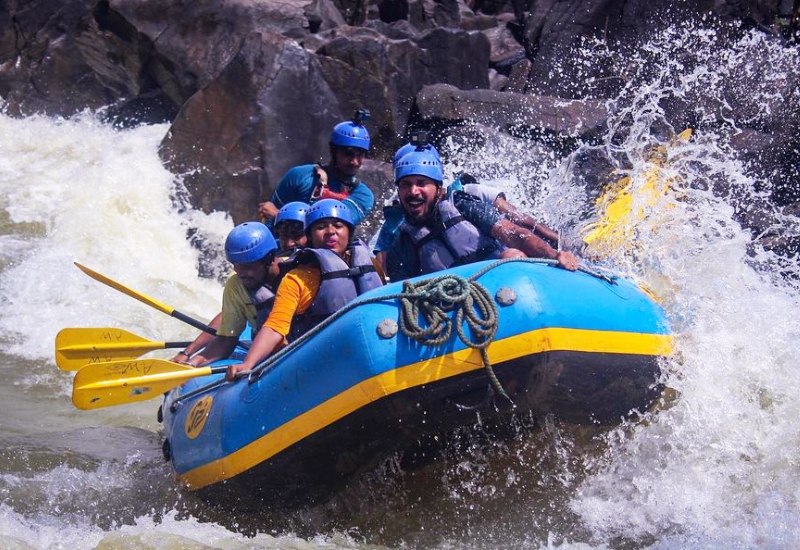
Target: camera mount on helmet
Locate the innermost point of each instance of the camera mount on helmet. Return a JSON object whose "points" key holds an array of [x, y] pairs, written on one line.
{"points": [[419, 138], [360, 117], [352, 133]]}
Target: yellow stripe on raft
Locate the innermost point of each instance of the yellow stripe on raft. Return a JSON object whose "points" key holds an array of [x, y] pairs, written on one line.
{"points": [[417, 374]]}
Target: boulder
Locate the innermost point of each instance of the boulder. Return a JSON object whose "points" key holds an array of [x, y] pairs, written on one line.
{"points": [[56, 59], [540, 115], [236, 137]]}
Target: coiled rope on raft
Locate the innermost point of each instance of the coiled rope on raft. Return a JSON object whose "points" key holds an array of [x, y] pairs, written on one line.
{"points": [[421, 297], [432, 301]]}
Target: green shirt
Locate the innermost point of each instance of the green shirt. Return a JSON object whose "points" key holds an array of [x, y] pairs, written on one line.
{"points": [[237, 308]]}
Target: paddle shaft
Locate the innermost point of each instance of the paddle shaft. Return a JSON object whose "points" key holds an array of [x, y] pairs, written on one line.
{"points": [[114, 346], [146, 300], [149, 379]]}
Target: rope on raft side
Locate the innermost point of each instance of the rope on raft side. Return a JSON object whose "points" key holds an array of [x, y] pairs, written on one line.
{"points": [[432, 300], [271, 360]]}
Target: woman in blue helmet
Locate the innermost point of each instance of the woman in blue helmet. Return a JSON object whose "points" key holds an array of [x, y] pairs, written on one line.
{"points": [[247, 297], [349, 145], [440, 230], [331, 272]]}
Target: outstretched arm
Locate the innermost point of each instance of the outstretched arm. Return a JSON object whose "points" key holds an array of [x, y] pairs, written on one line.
{"points": [[220, 347], [265, 342], [203, 339], [514, 236], [525, 220]]}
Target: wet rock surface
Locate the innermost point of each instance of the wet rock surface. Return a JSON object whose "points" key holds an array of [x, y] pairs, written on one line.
{"points": [[252, 88]]}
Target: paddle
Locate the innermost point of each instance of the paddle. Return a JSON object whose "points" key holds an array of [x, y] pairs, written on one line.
{"points": [[120, 382], [146, 299], [615, 206], [76, 347]]}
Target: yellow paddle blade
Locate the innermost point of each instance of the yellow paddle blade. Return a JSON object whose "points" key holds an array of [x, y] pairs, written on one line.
{"points": [[119, 382], [76, 347], [125, 290], [617, 212]]}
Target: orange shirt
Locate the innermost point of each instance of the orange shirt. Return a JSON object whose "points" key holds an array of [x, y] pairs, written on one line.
{"points": [[294, 296]]}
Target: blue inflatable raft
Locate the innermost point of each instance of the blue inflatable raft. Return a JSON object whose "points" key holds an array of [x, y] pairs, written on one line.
{"points": [[580, 346]]}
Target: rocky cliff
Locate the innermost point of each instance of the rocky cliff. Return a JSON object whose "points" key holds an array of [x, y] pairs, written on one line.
{"points": [[252, 87]]}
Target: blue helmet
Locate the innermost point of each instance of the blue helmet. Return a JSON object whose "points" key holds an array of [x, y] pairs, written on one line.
{"points": [[352, 133], [328, 208], [249, 242], [292, 211], [419, 163], [409, 147]]}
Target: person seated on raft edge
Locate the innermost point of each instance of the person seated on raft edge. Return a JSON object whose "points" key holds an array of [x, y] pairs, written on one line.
{"points": [[247, 297], [348, 144], [289, 226], [393, 212], [331, 272], [440, 231]]}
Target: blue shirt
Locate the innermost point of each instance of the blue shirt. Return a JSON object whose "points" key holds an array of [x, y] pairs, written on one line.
{"points": [[402, 261], [298, 184]]}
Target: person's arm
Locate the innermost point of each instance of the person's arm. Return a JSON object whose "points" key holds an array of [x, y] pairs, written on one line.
{"points": [[360, 202], [525, 220], [291, 187], [198, 343], [521, 238], [392, 218], [220, 347], [264, 344], [294, 295], [267, 210]]}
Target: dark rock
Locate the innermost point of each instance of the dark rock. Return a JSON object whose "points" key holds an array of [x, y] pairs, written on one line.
{"points": [[518, 77], [236, 137], [497, 81], [146, 108], [195, 41], [502, 45], [387, 73], [393, 10], [555, 28], [472, 22], [353, 11], [398, 30], [541, 114], [56, 60]]}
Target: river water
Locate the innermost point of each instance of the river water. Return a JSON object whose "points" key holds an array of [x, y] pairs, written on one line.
{"points": [[717, 465]]}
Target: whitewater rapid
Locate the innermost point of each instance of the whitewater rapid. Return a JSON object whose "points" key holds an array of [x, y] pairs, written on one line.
{"points": [[714, 466]]}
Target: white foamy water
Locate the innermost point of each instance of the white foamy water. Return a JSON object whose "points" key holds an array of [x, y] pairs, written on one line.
{"points": [[714, 467], [81, 191]]}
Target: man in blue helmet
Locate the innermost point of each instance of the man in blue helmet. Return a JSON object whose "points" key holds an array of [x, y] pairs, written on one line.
{"points": [[393, 212], [248, 294], [440, 231], [349, 145], [328, 274]]}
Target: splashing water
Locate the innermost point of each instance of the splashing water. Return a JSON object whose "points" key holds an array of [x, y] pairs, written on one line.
{"points": [[713, 466]]}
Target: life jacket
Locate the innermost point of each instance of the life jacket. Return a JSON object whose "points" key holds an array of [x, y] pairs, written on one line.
{"points": [[263, 297], [321, 189], [339, 283], [451, 241]]}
